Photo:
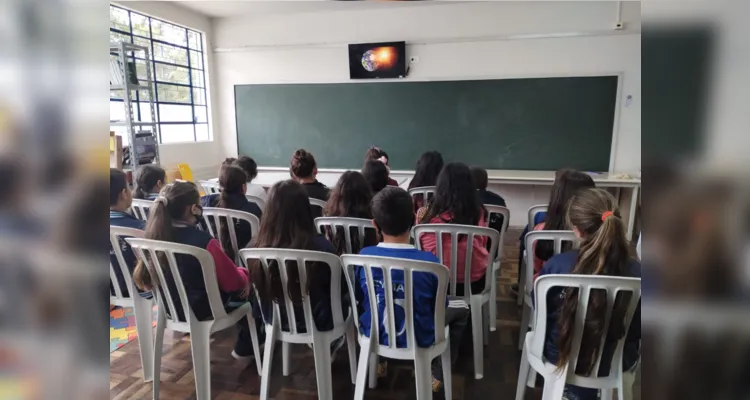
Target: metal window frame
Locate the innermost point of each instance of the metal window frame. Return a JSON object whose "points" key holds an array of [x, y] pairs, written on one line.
{"points": [[191, 70]]}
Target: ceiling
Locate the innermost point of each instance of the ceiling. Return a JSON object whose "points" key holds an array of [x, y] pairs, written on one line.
{"points": [[220, 9]]}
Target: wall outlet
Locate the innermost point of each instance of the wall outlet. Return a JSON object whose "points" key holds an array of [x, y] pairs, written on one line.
{"points": [[414, 59], [619, 26]]}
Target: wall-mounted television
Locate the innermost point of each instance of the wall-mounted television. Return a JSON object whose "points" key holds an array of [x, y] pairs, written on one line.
{"points": [[377, 60]]}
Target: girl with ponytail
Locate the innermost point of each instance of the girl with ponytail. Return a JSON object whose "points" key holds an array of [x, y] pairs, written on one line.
{"points": [[233, 183], [604, 250], [149, 181], [173, 218]]}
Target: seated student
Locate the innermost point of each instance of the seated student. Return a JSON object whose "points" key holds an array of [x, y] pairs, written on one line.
{"points": [[393, 216], [568, 184], [174, 218], [303, 169], [251, 169], [376, 175], [538, 218], [350, 198], [428, 168], [487, 197], [288, 224], [149, 181], [233, 183], [377, 154], [120, 199], [456, 202], [604, 250]]}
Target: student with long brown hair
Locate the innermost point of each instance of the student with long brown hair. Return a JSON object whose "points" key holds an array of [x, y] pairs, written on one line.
{"points": [[604, 250], [288, 224], [149, 180], [377, 154], [174, 218], [350, 198]]}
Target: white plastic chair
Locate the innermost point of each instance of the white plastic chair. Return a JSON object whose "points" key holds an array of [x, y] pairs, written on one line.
{"points": [[214, 216], [476, 301], [317, 202], [210, 187], [533, 211], [200, 331], [320, 340], [427, 192], [140, 208], [368, 346], [558, 237], [142, 307], [533, 347], [336, 223], [257, 200], [505, 212]]}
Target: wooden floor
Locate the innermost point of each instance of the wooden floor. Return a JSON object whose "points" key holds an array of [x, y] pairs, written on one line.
{"points": [[232, 380]]}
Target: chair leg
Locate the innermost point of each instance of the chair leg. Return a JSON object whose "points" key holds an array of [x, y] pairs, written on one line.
{"points": [[554, 385], [477, 340], [322, 352], [373, 371], [625, 385], [521, 282], [447, 373], [523, 375], [493, 299], [423, 375], [605, 394], [285, 358], [200, 338], [486, 323], [265, 378], [364, 360], [144, 327], [351, 344], [161, 323], [524, 328], [254, 339]]}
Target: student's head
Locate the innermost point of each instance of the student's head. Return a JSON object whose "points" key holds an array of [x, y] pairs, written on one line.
{"points": [[567, 183], [350, 197], [303, 167], [375, 153], [393, 212], [120, 197], [178, 202], [149, 179], [228, 161], [428, 168], [232, 180], [480, 177], [604, 250], [287, 223], [376, 175], [248, 165], [455, 194]]}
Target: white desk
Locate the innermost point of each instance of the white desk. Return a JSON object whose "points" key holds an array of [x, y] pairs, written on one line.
{"points": [[267, 176]]}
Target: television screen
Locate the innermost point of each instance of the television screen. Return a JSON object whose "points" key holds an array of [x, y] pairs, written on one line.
{"points": [[377, 60]]}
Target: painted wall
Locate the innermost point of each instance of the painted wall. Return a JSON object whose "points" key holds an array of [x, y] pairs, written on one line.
{"points": [[201, 156]]}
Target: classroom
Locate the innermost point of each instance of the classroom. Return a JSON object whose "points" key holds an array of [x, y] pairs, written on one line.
{"points": [[342, 139]]}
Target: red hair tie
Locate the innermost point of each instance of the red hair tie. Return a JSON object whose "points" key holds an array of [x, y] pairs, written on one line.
{"points": [[607, 214]]}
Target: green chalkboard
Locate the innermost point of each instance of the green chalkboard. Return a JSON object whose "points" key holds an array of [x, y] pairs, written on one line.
{"points": [[529, 124]]}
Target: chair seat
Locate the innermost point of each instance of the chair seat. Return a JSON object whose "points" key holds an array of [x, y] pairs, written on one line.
{"points": [[399, 354], [218, 324]]}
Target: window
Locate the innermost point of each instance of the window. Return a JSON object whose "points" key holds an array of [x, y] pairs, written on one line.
{"points": [[178, 74]]}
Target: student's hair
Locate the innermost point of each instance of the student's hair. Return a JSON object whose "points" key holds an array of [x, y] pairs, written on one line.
{"points": [[350, 197], [228, 161], [428, 168], [567, 183], [302, 164], [374, 153], [146, 178], [231, 179], [117, 183], [393, 211], [248, 165], [604, 251], [455, 193], [287, 223], [172, 204], [480, 177], [376, 175]]}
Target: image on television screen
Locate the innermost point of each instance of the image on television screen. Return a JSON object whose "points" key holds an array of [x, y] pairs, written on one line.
{"points": [[377, 60]]}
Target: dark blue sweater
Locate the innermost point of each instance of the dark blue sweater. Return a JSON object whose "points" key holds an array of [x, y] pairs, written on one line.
{"points": [[118, 218]]}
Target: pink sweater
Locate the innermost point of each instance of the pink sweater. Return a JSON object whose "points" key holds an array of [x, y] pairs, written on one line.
{"points": [[479, 255]]}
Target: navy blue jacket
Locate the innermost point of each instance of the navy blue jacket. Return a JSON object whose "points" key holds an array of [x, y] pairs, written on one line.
{"points": [[563, 264], [118, 218]]}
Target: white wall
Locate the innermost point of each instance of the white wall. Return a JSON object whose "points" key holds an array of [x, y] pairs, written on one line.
{"points": [[202, 156]]}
